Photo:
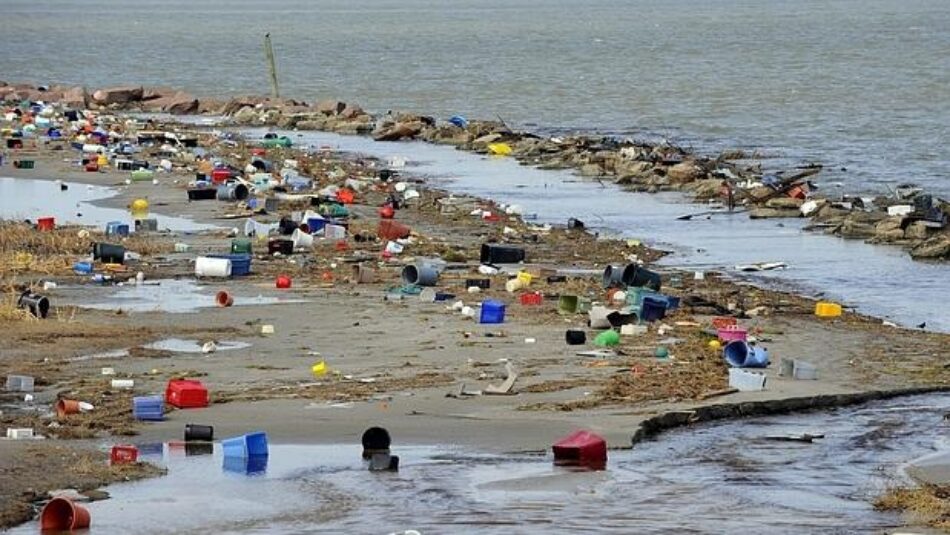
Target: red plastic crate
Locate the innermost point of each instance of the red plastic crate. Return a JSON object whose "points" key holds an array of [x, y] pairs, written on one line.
{"points": [[124, 453], [220, 175], [186, 394], [581, 448], [532, 298]]}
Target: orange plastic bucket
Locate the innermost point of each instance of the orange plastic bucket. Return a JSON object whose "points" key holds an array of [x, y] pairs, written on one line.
{"points": [[46, 223], [65, 407], [223, 299], [62, 514]]}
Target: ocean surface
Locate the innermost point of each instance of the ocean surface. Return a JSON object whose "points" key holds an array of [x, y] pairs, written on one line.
{"points": [[860, 85]]}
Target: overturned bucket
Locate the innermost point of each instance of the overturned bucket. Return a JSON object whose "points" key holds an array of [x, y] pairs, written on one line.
{"points": [[613, 277], [38, 305], [639, 276], [62, 514], [363, 274], [420, 274], [739, 354], [232, 192]]}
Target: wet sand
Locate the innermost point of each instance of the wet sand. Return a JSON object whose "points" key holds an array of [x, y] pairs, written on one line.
{"points": [[396, 361]]}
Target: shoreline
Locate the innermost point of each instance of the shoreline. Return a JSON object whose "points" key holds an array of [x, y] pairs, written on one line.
{"points": [[922, 227], [438, 352]]}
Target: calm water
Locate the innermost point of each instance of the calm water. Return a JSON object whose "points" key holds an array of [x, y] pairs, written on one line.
{"points": [[724, 478], [860, 84]]}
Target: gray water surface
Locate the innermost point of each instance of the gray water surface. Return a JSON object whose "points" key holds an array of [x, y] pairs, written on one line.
{"points": [[23, 198], [859, 84], [721, 478]]}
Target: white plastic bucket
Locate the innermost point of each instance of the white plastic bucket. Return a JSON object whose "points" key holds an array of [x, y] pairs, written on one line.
{"points": [[212, 267], [302, 240], [123, 383]]}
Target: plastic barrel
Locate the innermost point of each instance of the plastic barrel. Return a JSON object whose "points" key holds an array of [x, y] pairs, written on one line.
{"points": [[493, 253], [613, 277], [420, 274], [638, 276], [232, 192], [117, 228], [206, 266], [195, 432], [108, 253], [38, 305], [736, 353]]}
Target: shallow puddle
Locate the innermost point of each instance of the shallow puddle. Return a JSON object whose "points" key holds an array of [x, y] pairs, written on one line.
{"points": [[179, 345], [22, 198], [719, 478], [164, 295]]}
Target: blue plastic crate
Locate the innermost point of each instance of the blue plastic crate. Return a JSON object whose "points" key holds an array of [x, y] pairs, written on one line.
{"points": [[492, 312], [240, 263], [148, 408]]}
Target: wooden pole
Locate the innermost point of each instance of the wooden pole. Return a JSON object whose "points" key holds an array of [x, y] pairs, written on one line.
{"points": [[271, 65]]}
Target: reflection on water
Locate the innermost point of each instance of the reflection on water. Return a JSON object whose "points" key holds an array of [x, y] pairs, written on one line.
{"points": [[23, 199], [722, 478], [164, 295]]}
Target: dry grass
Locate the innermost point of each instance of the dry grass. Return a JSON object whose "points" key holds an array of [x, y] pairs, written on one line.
{"points": [[9, 312], [928, 504], [26, 250]]}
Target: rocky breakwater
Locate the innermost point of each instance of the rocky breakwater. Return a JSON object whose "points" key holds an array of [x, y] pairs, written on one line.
{"points": [[731, 180]]}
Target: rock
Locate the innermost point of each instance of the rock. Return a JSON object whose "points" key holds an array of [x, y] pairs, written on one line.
{"points": [[96, 495], [684, 172], [486, 139], [889, 230], [707, 188], [852, 227], [178, 104], [246, 115], [917, 231], [785, 203], [772, 213], [591, 169], [118, 95], [828, 213], [351, 111], [935, 247], [236, 104], [330, 107], [399, 131], [77, 97], [153, 93]]}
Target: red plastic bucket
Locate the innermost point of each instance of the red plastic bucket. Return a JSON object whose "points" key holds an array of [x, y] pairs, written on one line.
{"points": [[219, 176], [62, 514], [581, 448], [223, 299]]}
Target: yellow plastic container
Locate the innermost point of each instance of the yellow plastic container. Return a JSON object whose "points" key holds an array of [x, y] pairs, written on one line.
{"points": [[525, 278], [139, 208], [103, 160], [500, 149], [824, 309]]}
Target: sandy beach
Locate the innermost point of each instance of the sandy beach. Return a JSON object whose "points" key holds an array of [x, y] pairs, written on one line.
{"points": [[400, 363]]}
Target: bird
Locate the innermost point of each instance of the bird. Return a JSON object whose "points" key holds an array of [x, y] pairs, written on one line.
{"points": [[922, 325]]}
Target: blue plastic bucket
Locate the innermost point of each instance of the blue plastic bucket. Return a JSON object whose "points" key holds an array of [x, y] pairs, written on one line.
{"points": [[492, 312], [652, 309], [740, 354], [316, 224], [255, 464], [83, 268], [252, 444]]}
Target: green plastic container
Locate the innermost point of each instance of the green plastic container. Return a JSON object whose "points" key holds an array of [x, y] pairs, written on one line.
{"points": [[607, 339], [282, 141], [142, 175], [241, 246]]}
